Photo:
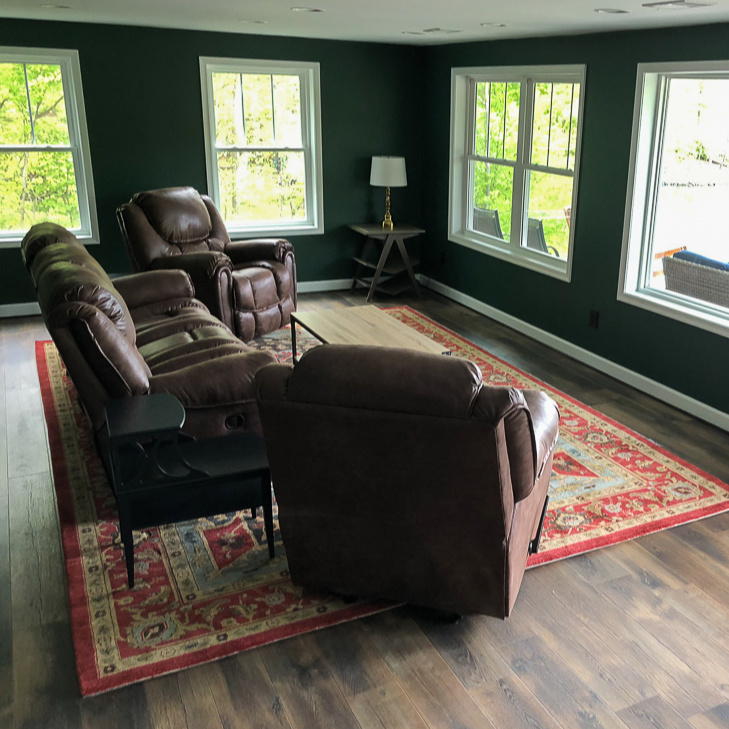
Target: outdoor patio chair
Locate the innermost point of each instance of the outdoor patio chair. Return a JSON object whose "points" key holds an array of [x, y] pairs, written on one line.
{"points": [[536, 239], [487, 221]]}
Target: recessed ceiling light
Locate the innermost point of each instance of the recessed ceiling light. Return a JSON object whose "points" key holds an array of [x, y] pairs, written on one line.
{"points": [[440, 30], [493, 25], [299, 9], [676, 5], [252, 22], [611, 11]]}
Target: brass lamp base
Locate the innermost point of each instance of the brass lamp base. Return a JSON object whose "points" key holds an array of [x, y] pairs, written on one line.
{"points": [[387, 223]]}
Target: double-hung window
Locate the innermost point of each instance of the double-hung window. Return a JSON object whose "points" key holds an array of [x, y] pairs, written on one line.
{"points": [[263, 144], [515, 141], [45, 167], [675, 251]]}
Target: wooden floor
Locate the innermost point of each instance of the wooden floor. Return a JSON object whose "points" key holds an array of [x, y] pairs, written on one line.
{"points": [[636, 635]]}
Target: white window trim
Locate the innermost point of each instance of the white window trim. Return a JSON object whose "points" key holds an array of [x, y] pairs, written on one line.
{"points": [[311, 133], [88, 231], [458, 182], [642, 171]]}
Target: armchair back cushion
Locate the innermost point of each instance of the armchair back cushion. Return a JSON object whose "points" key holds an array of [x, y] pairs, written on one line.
{"points": [[398, 475], [171, 222]]}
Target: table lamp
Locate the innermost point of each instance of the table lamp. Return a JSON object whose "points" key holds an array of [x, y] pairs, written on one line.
{"points": [[388, 172]]}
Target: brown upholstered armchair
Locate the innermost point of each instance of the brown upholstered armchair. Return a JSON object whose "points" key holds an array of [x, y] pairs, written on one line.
{"points": [[249, 285], [399, 475]]}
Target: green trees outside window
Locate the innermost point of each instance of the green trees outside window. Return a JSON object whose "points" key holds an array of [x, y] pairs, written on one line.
{"points": [[37, 180], [45, 173], [263, 139], [259, 146]]}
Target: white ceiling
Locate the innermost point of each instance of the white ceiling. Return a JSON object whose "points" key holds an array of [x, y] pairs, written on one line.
{"points": [[389, 21]]}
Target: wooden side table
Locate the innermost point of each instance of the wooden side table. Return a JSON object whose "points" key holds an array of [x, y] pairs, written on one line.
{"points": [[160, 475], [394, 280]]}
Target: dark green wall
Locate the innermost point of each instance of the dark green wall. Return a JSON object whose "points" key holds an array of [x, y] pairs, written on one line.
{"points": [[144, 114], [143, 107], [680, 356]]}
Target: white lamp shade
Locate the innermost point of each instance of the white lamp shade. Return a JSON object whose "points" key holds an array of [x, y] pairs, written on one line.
{"points": [[388, 172]]}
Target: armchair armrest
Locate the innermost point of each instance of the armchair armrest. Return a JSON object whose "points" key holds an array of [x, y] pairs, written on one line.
{"points": [[153, 287], [243, 251], [202, 265]]}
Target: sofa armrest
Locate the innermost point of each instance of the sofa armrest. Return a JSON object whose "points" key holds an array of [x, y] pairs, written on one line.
{"points": [[152, 287], [219, 380], [530, 423], [271, 381], [245, 251], [545, 423], [212, 276]]}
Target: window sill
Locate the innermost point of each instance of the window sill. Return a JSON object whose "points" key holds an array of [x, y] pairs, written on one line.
{"points": [[12, 242], [558, 268], [240, 233], [681, 308]]}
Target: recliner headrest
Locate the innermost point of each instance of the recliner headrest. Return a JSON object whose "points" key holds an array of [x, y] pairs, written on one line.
{"points": [[42, 235], [178, 214], [386, 378]]}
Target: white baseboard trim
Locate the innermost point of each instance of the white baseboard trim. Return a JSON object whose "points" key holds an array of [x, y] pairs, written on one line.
{"points": [[311, 287], [30, 309], [640, 382]]}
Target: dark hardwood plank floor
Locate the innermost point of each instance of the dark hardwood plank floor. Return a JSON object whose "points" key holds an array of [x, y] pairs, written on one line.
{"points": [[632, 636]]}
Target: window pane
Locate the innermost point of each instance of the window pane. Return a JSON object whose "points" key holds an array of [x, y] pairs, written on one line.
{"points": [[493, 186], [260, 187], [228, 107], [497, 120], [287, 110], [692, 187], [554, 137], [47, 104], [258, 109], [14, 117], [37, 186], [550, 198]]}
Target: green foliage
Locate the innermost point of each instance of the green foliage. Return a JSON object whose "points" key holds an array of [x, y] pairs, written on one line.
{"points": [[35, 184], [262, 179], [554, 142]]}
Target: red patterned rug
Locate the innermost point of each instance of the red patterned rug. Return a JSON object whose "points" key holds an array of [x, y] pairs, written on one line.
{"points": [[206, 589]]}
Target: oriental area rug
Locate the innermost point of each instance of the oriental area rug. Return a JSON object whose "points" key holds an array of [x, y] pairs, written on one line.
{"points": [[206, 588]]}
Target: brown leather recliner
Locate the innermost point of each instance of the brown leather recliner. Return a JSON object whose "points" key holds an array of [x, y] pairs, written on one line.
{"points": [[139, 334], [249, 285], [399, 475]]}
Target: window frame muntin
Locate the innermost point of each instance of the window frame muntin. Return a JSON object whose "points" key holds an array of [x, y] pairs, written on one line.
{"points": [[648, 115], [462, 121], [310, 90], [68, 59]]}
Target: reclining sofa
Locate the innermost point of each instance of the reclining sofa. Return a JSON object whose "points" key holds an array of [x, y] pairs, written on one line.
{"points": [[140, 334], [398, 475]]}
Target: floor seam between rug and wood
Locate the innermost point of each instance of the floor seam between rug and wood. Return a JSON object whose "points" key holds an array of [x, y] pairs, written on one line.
{"points": [[609, 484]]}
